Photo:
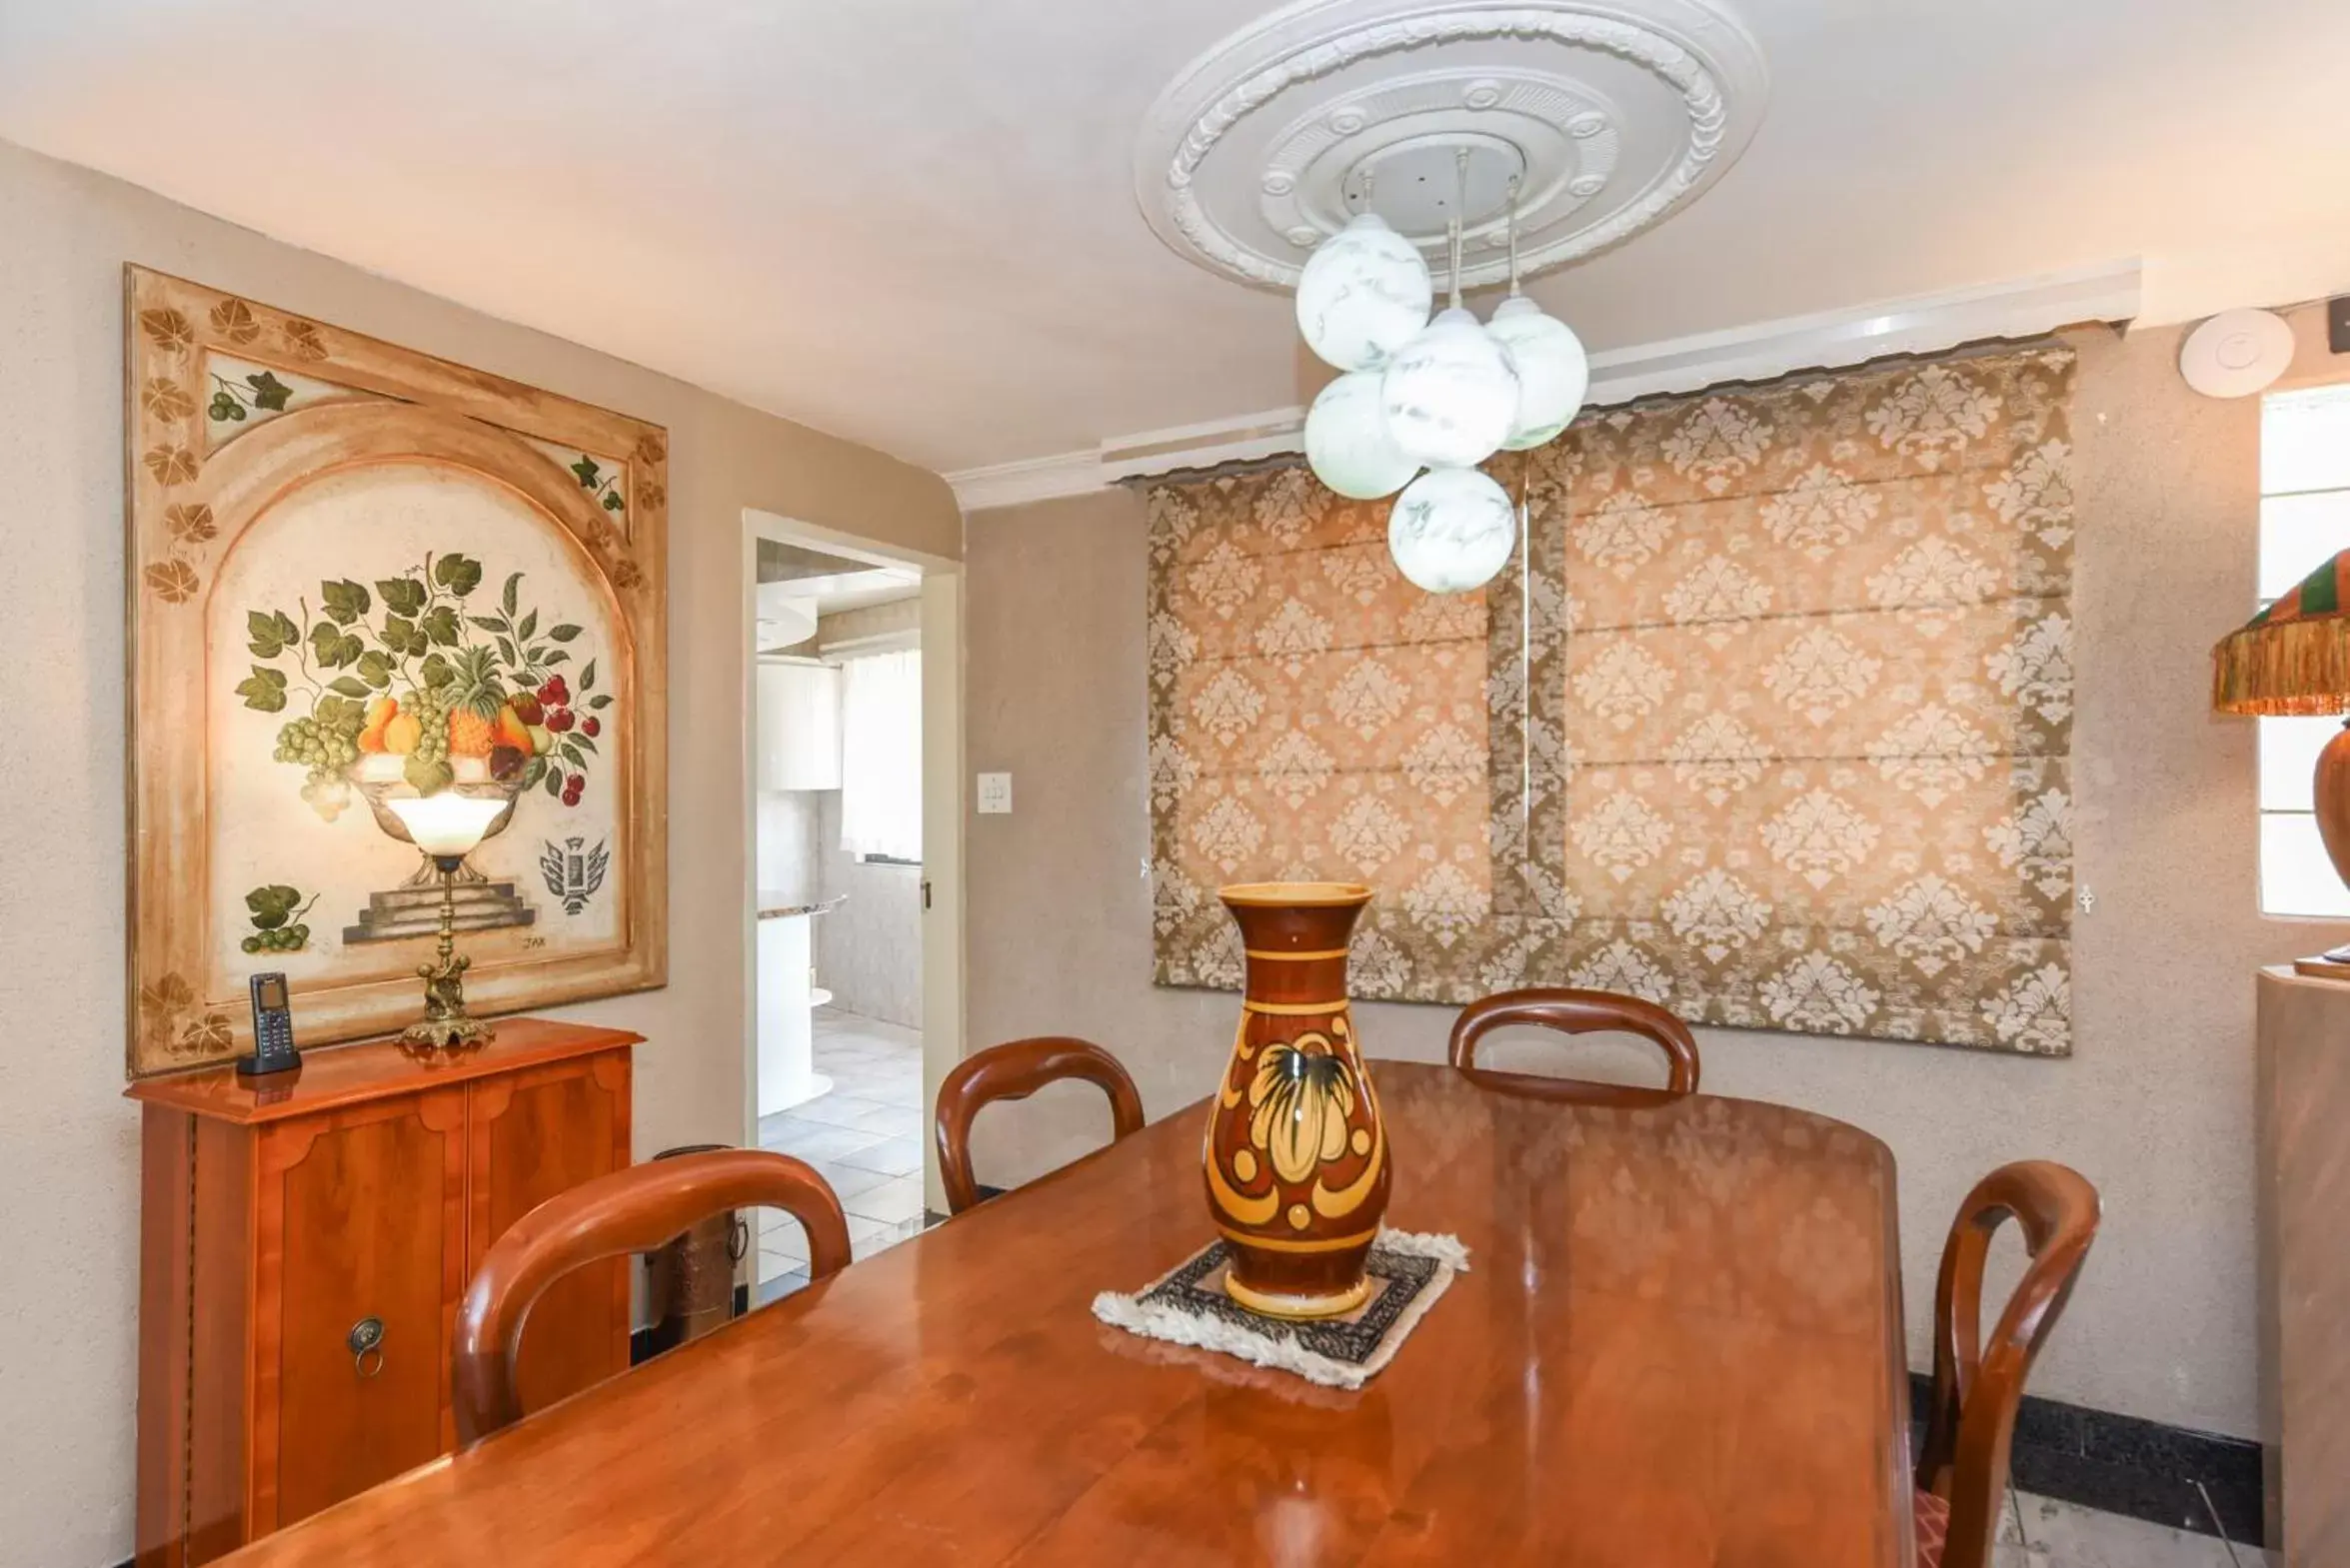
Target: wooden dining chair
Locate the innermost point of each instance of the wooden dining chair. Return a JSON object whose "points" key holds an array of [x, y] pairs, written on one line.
{"points": [[1962, 1469], [1015, 1070], [1580, 1012], [630, 1210]]}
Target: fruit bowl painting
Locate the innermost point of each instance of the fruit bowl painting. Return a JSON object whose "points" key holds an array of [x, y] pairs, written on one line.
{"points": [[430, 692], [380, 574]]}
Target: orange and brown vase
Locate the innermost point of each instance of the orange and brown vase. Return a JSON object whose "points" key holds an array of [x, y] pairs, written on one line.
{"points": [[1297, 1156]]}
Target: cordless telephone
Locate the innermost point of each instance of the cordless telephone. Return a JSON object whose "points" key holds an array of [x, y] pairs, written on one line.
{"points": [[273, 1029]]}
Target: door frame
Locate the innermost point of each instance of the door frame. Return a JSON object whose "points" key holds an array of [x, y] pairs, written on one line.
{"points": [[943, 998]]}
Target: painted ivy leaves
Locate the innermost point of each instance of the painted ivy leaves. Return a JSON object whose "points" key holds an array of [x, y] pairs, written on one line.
{"points": [[168, 1017], [168, 396], [231, 399], [415, 671], [604, 486], [172, 581]]}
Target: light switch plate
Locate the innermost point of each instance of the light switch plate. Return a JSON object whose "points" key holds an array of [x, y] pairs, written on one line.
{"points": [[995, 794]]}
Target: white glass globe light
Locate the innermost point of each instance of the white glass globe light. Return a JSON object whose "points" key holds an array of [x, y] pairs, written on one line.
{"points": [[1364, 294], [1553, 373], [1451, 394], [446, 823], [1347, 440], [1452, 530]]}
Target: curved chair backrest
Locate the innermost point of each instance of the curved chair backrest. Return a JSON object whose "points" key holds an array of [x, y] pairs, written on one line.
{"points": [[1580, 1012], [632, 1210], [1977, 1387], [1015, 1070]]}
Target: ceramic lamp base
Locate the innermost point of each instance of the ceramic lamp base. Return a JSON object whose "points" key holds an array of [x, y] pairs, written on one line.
{"points": [[2330, 799]]}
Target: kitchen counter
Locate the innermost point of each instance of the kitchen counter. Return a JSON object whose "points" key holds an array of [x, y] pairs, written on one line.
{"points": [[773, 906], [787, 996]]}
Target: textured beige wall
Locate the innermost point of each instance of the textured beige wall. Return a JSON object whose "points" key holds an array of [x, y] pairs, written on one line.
{"points": [[2155, 1106], [68, 1141]]}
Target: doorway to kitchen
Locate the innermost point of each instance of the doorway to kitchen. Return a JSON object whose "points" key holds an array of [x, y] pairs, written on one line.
{"points": [[845, 888]]}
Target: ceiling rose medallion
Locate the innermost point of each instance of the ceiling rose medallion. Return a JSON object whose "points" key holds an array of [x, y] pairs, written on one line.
{"points": [[1608, 114], [1327, 146]]}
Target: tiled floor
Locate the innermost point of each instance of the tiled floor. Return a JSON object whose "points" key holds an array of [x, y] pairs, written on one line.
{"points": [[865, 1138], [2067, 1535]]}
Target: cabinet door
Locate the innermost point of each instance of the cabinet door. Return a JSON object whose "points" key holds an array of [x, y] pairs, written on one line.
{"points": [[534, 1134], [358, 1221]]}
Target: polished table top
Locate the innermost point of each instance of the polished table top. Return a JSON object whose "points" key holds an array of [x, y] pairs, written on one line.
{"points": [[1679, 1344]]}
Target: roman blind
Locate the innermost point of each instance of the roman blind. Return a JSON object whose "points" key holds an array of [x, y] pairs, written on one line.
{"points": [[1770, 723]]}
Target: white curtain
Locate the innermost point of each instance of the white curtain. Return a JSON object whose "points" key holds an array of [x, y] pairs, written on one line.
{"points": [[881, 754]]}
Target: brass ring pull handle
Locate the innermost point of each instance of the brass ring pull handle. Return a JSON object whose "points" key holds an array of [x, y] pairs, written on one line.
{"points": [[366, 1341]]}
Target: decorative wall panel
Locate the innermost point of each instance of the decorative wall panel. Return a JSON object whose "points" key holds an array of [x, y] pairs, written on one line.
{"points": [[1776, 729], [345, 557]]}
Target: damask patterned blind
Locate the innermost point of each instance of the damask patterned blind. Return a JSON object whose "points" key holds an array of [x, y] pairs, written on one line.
{"points": [[1772, 723], [1313, 714]]}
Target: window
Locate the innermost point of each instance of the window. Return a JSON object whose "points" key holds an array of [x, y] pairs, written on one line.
{"points": [[880, 755], [2304, 519]]}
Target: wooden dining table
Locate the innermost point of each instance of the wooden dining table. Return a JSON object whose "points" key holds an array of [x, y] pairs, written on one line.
{"points": [[1678, 1343]]}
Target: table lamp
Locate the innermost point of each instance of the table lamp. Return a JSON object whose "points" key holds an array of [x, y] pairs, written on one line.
{"points": [[2294, 658], [446, 825]]}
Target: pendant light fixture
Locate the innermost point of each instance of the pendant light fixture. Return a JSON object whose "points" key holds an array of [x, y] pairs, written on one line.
{"points": [[1347, 444], [1452, 530], [1446, 395], [1365, 292], [1553, 373], [1587, 121], [1451, 394]]}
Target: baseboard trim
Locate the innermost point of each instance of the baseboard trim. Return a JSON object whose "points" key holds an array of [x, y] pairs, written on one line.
{"points": [[2125, 1465]]}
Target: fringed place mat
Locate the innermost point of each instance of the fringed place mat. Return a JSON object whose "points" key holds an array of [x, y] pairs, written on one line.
{"points": [[1189, 1306]]}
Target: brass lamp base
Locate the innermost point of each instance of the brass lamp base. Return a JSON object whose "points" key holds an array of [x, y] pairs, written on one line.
{"points": [[427, 1035], [446, 1025]]}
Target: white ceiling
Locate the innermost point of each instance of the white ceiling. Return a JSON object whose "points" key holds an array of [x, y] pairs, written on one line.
{"points": [[911, 222]]}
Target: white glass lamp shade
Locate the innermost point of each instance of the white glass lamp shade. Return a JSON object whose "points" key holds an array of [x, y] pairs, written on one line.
{"points": [[446, 823], [1347, 440], [1451, 394], [1553, 373], [1452, 530], [1362, 295]]}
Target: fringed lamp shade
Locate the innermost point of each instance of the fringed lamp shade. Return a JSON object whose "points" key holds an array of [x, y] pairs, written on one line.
{"points": [[2293, 656]]}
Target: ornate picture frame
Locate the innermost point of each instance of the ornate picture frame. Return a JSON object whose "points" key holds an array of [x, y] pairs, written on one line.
{"points": [[343, 556]]}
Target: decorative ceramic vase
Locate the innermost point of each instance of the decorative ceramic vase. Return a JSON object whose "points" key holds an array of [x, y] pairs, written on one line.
{"points": [[1297, 1155]]}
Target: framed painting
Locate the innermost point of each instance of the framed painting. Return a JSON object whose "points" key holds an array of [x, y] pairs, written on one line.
{"points": [[348, 560]]}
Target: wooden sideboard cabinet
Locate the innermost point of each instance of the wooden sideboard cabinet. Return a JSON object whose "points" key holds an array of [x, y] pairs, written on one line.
{"points": [[304, 1244]]}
